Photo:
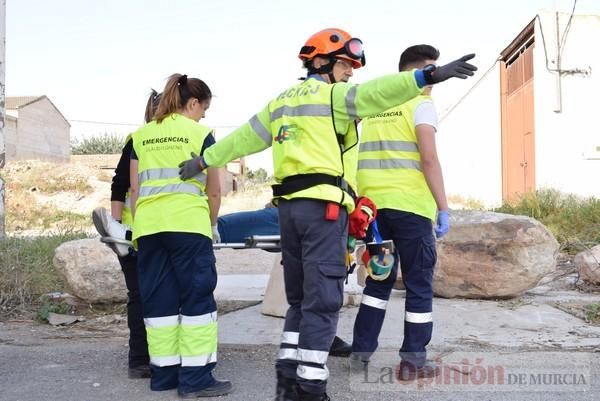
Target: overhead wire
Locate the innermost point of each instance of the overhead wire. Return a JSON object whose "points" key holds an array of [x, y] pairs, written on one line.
{"points": [[133, 124], [448, 110], [563, 41]]}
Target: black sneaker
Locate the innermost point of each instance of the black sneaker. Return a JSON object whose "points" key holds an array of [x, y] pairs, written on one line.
{"points": [[340, 348], [139, 372], [219, 387]]}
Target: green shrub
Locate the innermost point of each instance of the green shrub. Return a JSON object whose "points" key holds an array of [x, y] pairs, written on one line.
{"points": [[574, 220], [26, 270], [105, 144], [592, 312], [48, 307]]}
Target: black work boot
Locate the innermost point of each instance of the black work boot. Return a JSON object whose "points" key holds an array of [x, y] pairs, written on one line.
{"points": [[304, 396], [286, 389]]}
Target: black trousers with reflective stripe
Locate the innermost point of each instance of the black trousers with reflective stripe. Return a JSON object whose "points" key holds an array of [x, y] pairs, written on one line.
{"points": [[313, 252], [138, 346], [416, 253]]}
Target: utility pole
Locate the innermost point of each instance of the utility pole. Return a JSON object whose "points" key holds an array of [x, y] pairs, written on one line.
{"points": [[2, 107]]}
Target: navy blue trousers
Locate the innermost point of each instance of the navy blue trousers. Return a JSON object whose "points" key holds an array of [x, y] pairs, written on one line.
{"points": [[177, 275], [314, 268], [138, 346], [415, 252]]}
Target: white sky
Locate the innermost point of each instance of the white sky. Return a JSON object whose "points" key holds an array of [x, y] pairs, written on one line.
{"points": [[97, 60]]}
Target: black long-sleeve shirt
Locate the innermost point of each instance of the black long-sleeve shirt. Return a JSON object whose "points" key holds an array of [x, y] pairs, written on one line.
{"points": [[120, 182]]}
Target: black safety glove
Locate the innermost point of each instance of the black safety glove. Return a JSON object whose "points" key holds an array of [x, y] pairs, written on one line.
{"points": [[191, 167], [455, 69]]}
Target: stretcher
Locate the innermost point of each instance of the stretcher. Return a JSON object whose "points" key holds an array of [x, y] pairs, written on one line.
{"points": [[266, 242], [378, 266]]}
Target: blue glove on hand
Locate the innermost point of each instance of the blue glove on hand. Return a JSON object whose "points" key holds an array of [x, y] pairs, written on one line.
{"points": [[443, 223]]}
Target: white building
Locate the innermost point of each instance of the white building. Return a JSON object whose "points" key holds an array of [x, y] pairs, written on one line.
{"points": [[36, 129], [531, 121]]}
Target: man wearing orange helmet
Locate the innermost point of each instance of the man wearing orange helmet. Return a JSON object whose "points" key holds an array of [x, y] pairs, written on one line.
{"points": [[331, 49], [311, 128]]}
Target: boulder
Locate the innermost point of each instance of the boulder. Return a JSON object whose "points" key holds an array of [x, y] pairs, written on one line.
{"points": [[588, 264], [91, 271], [489, 255], [493, 255]]}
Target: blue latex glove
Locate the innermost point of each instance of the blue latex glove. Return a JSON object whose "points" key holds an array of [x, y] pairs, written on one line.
{"points": [[443, 223]]}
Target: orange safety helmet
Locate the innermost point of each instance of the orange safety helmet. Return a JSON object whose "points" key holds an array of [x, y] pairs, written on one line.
{"points": [[334, 42]]}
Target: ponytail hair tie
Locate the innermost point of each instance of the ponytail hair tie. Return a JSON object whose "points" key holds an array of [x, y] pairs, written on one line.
{"points": [[182, 80]]}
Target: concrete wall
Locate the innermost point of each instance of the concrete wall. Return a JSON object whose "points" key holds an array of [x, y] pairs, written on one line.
{"points": [[42, 133], [566, 139], [469, 143]]}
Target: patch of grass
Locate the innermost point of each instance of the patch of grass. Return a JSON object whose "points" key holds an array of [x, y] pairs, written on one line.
{"points": [[48, 307], [588, 312], [460, 202], [104, 309], [23, 212], [592, 313], [26, 270], [513, 304], [105, 175], [574, 220], [64, 219], [47, 178]]}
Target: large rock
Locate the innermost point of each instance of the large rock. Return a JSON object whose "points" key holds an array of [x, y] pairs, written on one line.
{"points": [[91, 271], [493, 255], [588, 264]]}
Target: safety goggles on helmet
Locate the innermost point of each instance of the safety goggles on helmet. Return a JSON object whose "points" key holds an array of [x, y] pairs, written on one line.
{"points": [[353, 48]]}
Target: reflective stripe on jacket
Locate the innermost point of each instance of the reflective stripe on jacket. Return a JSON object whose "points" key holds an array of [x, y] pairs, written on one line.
{"points": [[165, 202]]}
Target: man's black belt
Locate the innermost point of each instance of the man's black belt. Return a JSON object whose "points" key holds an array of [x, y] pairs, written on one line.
{"points": [[299, 182]]}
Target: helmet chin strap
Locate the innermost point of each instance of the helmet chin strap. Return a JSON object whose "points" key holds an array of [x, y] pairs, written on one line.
{"points": [[324, 69]]}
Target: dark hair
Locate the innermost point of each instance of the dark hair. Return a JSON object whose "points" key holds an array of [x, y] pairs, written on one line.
{"points": [[178, 90], [417, 54], [152, 105]]}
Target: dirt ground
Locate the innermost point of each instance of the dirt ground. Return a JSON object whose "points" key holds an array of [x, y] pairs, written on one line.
{"points": [[26, 194]]}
